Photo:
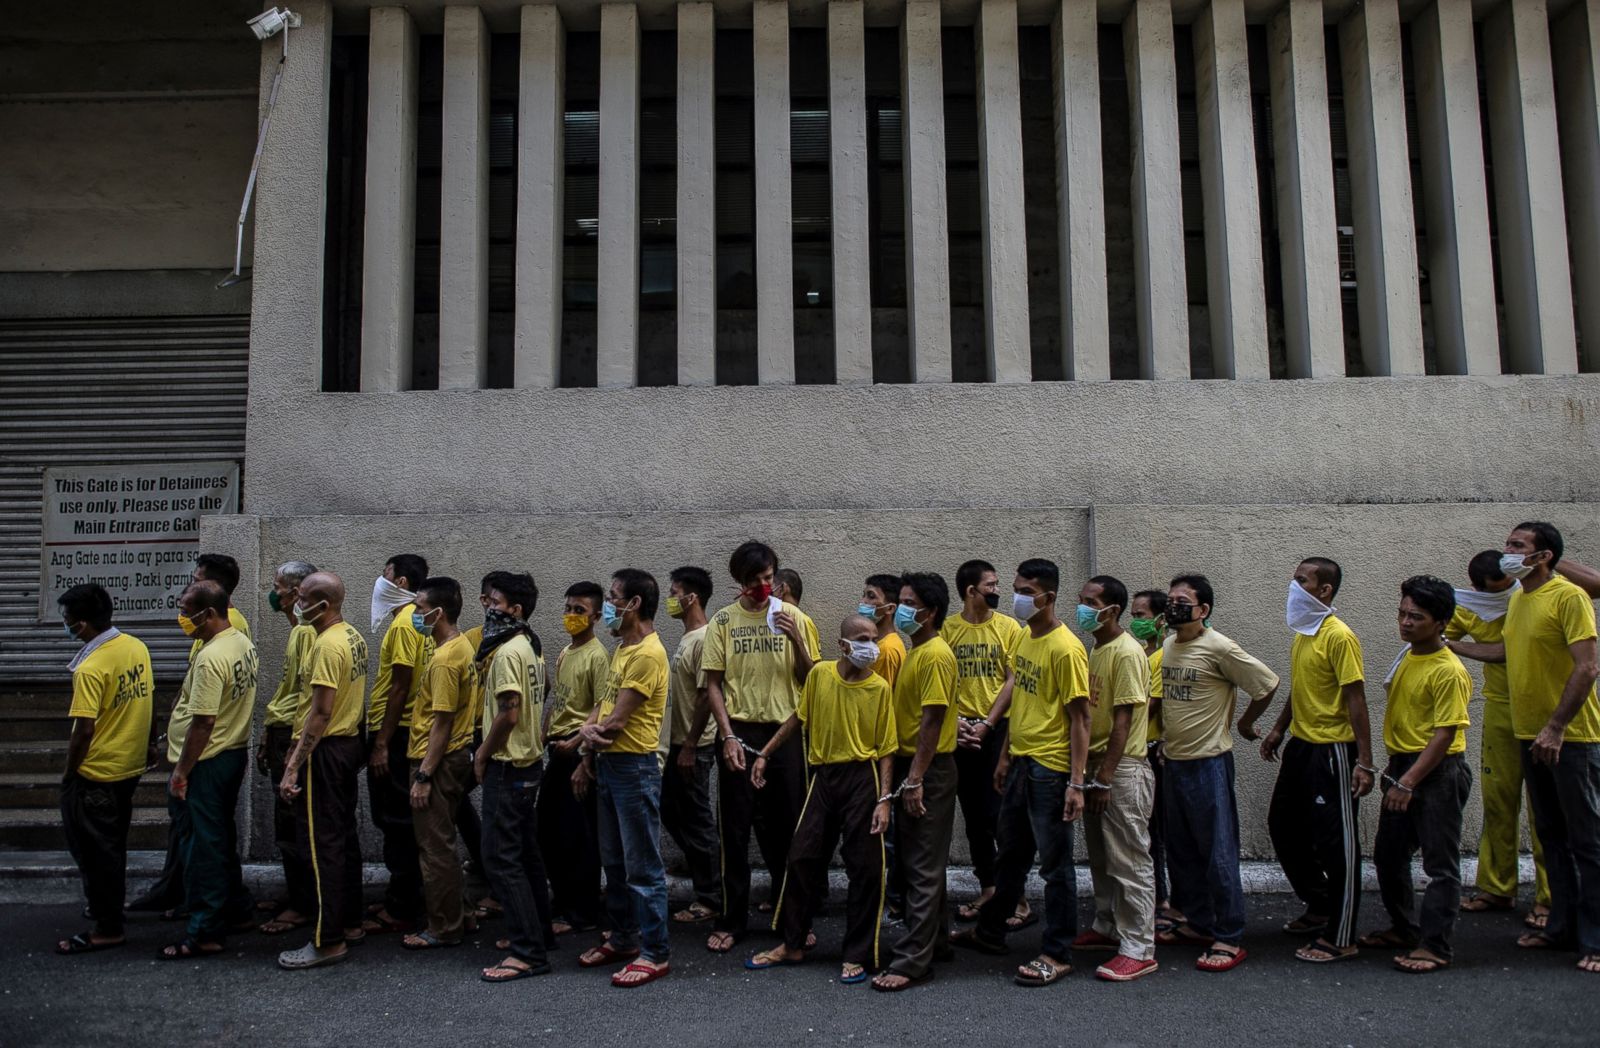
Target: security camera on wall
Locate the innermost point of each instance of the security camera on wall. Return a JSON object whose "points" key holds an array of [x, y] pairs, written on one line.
{"points": [[272, 21]]}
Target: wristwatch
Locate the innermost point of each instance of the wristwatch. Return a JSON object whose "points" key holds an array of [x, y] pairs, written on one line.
{"points": [[422, 777]]}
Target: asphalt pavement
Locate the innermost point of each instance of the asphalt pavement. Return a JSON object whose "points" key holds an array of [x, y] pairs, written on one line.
{"points": [[1494, 995]]}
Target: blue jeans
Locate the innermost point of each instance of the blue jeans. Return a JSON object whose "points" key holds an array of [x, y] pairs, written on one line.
{"points": [[628, 789], [1203, 846], [1030, 820], [1566, 814]]}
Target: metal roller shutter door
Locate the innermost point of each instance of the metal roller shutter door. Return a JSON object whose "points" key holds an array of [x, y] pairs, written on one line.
{"points": [[103, 391]]}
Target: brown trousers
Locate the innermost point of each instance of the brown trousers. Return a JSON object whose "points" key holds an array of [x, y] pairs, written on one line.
{"points": [[435, 825], [837, 813]]}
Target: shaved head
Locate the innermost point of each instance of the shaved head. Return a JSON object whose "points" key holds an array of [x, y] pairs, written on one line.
{"points": [[323, 585], [858, 627]]}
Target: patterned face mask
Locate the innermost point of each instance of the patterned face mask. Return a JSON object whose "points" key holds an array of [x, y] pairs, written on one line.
{"points": [[496, 622]]}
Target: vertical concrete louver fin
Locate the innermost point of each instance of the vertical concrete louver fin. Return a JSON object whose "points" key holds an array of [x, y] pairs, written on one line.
{"points": [[1577, 62], [1080, 193], [1313, 320], [1235, 285], [541, 180], [697, 199], [617, 291], [389, 240], [290, 210], [1004, 219], [927, 221], [1527, 188], [464, 197], [1387, 295], [1466, 330], [1161, 297], [847, 174], [774, 207]]}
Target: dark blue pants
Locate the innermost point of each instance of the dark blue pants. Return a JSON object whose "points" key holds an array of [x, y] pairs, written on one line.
{"points": [[628, 787], [1566, 814], [511, 856], [213, 883], [1030, 820], [1203, 846]]}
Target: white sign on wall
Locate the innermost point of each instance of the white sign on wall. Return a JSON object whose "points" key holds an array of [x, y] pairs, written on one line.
{"points": [[133, 529]]}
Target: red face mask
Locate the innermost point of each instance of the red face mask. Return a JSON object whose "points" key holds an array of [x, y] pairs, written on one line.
{"points": [[760, 592]]}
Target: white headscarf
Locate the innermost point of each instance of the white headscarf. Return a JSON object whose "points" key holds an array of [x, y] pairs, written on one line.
{"points": [[1487, 606], [387, 598], [1305, 612]]}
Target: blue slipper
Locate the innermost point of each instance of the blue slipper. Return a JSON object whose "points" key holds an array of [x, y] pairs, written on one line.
{"points": [[760, 966], [854, 980]]}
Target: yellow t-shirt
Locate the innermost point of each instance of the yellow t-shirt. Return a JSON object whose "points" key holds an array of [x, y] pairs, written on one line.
{"points": [[221, 683], [983, 658], [1153, 731], [296, 666], [846, 721], [112, 687], [757, 665], [339, 661], [1539, 628], [688, 678], [1119, 675], [1465, 624], [1427, 692], [1197, 685], [928, 678], [580, 679], [514, 667], [236, 619], [1319, 667], [644, 668], [449, 688], [402, 646], [1052, 672], [474, 637], [891, 656]]}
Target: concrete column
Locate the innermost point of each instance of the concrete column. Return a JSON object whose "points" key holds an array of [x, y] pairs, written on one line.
{"points": [[1080, 193], [1235, 288], [1161, 299], [541, 180], [927, 221], [464, 196], [1528, 190], [847, 172], [1004, 220], [1466, 328], [1577, 62], [617, 301], [1313, 320], [697, 200], [290, 208], [774, 207], [389, 240], [1387, 294]]}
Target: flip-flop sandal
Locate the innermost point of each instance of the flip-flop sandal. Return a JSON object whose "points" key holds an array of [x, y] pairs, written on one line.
{"points": [[1482, 903], [1537, 921], [853, 979], [355, 936], [188, 950], [1386, 939], [694, 913], [1165, 925], [1536, 941], [732, 941], [1016, 922], [1183, 935], [277, 927], [650, 975], [970, 939], [428, 941], [519, 972], [84, 943], [1305, 924], [306, 957], [968, 911], [911, 981], [605, 954], [755, 963], [1589, 963], [1228, 962], [1433, 964], [1038, 973], [1322, 953]]}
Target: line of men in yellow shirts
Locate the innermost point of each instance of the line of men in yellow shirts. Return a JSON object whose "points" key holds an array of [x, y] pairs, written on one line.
{"points": [[869, 751]]}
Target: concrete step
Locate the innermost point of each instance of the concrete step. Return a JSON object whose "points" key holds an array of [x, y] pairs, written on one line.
{"points": [[25, 790], [39, 829], [34, 725], [42, 756]]}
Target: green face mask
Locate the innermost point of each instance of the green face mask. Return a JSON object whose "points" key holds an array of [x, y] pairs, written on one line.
{"points": [[273, 602], [1145, 630]]}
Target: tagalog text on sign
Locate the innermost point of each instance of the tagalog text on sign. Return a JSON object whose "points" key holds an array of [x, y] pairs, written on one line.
{"points": [[133, 529]]}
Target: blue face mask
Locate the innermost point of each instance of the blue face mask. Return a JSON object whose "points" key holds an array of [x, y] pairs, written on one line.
{"points": [[419, 622], [1088, 618], [610, 616], [70, 632], [869, 610], [905, 619]]}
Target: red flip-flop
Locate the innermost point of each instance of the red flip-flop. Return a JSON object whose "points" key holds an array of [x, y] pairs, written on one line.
{"points": [[608, 954], [1229, 961], [650, 975]]}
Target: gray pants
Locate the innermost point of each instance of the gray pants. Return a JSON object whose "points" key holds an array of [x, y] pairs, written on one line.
{"points": [[924, 856], [1430, 824], [1118, 842]]}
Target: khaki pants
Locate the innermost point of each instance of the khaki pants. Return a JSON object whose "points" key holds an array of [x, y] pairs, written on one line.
{"points": [[1118, 842], [435, 826]]}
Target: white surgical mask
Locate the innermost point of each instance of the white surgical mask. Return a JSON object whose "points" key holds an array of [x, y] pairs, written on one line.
{"points": [[1024, 606], [387, 598], [1512, 566], [863, 653], [1305, 612]]}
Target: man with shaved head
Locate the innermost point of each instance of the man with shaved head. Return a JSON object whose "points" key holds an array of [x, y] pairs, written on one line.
{"points": [[321, 774]]}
